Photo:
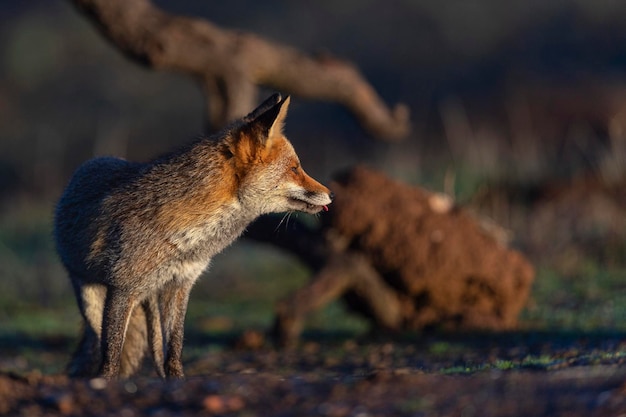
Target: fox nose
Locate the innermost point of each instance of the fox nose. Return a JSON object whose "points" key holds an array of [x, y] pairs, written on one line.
{"points": [[331, 195]]}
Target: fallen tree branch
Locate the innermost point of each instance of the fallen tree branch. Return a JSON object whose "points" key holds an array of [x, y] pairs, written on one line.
{"points": [[348, 274], [231, 65]]}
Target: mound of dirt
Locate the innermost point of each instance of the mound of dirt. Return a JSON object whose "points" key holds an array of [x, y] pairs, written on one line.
{"points": [[408, 259], [446, 266]]}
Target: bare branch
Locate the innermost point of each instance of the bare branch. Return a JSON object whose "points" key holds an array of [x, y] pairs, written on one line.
{"points": [[231, 65], [343, 274]]}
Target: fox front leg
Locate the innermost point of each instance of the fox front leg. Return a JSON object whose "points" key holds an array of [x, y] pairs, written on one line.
{"points": [[173, 300], [117, 309]]}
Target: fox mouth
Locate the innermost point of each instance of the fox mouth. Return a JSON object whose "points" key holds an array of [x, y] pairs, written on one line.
{"points": [[302, 205]]}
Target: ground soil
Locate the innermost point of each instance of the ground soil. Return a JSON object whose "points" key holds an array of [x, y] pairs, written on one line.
{"points": [[453, 375]]}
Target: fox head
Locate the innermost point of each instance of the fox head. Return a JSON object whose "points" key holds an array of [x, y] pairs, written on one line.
{"points": [[268, 171]]}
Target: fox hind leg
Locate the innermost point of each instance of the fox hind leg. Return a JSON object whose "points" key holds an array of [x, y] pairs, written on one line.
{"points": [[155, 332], [135, 343], [87, 357]]}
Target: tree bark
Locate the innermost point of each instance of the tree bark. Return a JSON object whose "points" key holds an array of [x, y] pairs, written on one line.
{"points": [[231, 65]]}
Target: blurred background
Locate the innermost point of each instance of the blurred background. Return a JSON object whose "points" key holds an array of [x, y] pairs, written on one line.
{"points": [[518, 111]]}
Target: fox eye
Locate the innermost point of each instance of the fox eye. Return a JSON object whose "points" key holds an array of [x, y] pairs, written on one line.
{"points": [[294, 169]]}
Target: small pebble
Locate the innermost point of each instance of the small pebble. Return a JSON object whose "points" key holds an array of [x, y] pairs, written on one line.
{"points": [[98, 383]]}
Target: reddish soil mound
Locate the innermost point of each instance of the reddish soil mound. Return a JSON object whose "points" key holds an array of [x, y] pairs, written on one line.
{"points": [[407, 258], [450, 269]]}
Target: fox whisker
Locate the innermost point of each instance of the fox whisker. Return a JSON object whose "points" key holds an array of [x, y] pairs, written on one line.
{"points": [[284, 219]]}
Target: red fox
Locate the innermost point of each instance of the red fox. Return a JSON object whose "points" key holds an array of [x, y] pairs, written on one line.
{"points": [[134, 237]]}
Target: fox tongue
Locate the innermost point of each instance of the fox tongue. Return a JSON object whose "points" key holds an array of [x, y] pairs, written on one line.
{"points": [[325, 208]]}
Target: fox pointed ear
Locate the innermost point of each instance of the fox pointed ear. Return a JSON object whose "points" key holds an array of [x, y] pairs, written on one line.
{"points": [[271, 121], [270, 102]]}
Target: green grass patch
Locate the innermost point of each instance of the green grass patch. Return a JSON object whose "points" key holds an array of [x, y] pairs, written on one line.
{"points": [[592, 298], [42, 322]]}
